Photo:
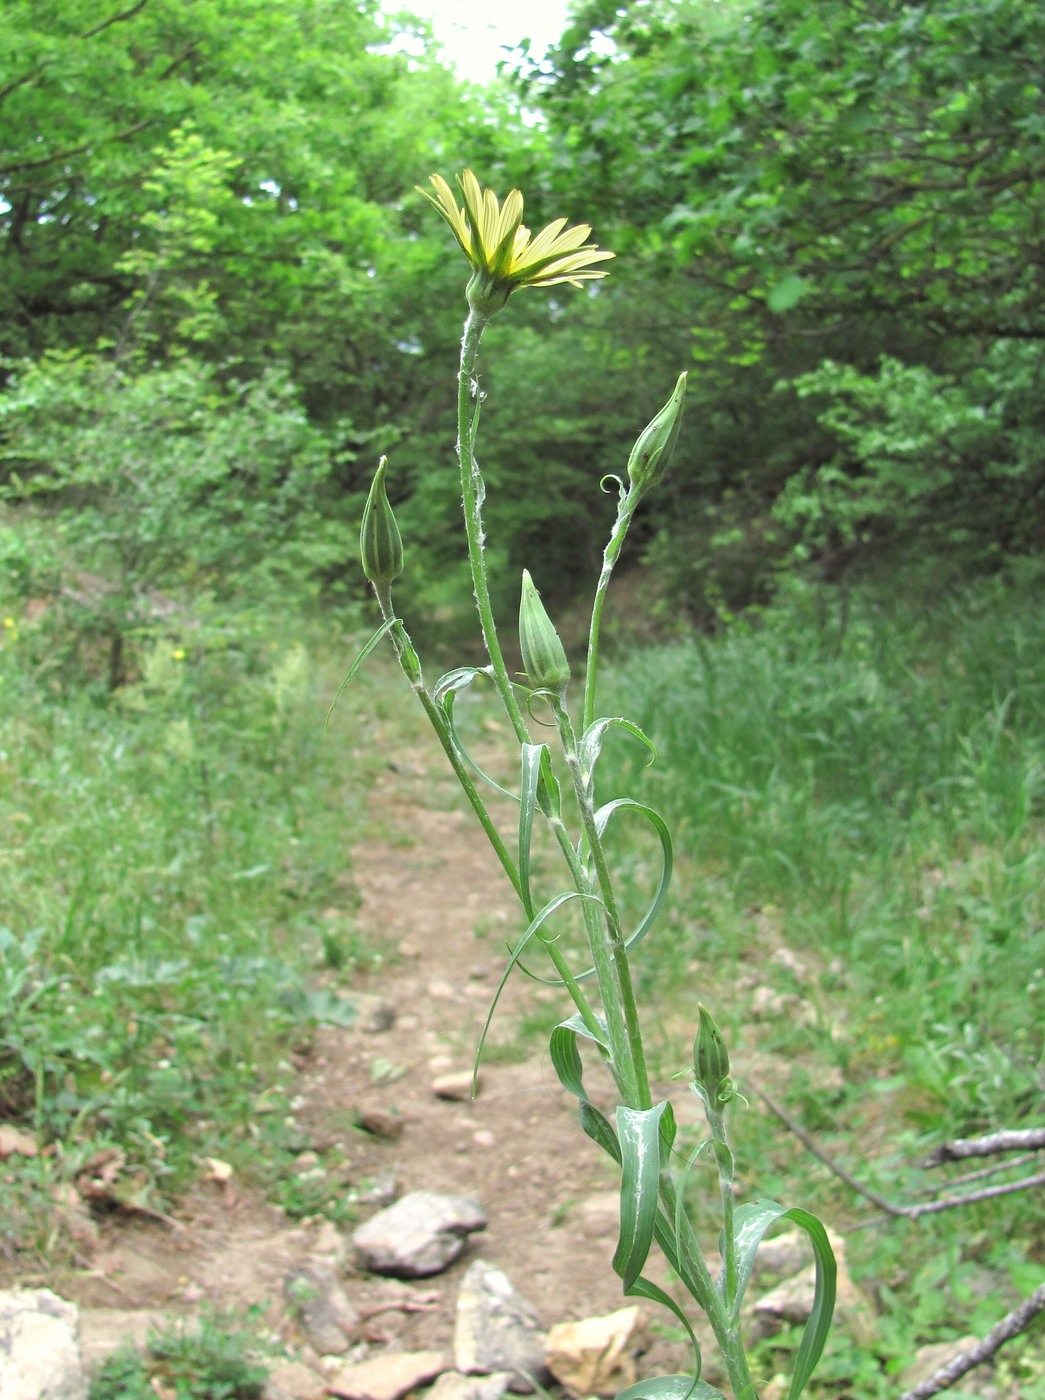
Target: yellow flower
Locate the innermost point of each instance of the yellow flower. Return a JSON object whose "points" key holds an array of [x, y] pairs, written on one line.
{"points": [[498, 244]]}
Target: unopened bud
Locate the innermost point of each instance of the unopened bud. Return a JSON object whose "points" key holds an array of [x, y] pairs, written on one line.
{"points": [[651, 454], [543, 657], [711, 1063], [380, 543]]}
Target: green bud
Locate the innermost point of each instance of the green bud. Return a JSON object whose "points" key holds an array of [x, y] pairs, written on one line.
{"points": [[544, 659], [651, 454], [711, 1063], [380, 543]]}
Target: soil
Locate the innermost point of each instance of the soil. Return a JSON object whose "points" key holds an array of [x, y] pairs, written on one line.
{"points": [[433, 894]]}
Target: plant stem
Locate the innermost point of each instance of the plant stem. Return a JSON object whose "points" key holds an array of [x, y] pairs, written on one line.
{"points": [[625, 511], [411, 668], [472, 493], [609, 953]]}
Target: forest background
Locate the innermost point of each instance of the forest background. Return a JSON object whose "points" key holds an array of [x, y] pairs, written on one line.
{"points": [[221, 301]]}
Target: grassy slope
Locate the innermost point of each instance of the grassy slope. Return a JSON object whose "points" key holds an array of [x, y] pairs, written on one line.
{"points": [[863, 796]]}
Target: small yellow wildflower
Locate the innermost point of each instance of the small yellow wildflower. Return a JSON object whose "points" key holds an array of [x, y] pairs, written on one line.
{"points": [[178, 653], [498, 244]]}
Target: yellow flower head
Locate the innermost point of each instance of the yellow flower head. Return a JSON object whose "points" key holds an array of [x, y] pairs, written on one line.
{"points": [[499, 246]]}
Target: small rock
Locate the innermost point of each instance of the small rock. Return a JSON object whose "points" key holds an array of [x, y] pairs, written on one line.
{"points": [[420, 1235], [451, 1385], [386, 1377], [457, 1086], [596, 1356], [439, 990], [292, 1380], [381, 1190], [329, 1319], [382, 1123], [497, 1330], [329, 1246], [39, 1347], [13, 1142], [374, 1014], [783, 1255], [484, 1138], [792, 1302]]}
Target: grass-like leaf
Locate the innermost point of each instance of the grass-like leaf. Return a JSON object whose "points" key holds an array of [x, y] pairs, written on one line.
{"points": [[750, 1225], [353, 670], [602, 817], [639, 1134], [670, 1388], [444, 693], [515, 953], [590, 746]]}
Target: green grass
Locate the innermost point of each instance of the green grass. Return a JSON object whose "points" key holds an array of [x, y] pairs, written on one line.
{"points": [[174, 871], [866, 795], [213, 1359]]}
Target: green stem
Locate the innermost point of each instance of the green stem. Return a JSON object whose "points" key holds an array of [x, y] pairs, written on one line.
{"points": [[675, 1236], [411, 668], [608, 949], [625, 511], [472, 491], [724, 1163]]}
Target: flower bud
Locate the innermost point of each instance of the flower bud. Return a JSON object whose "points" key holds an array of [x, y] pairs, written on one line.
{"points": [[544, 659], [711, 1063], [651, 454], [380, 543]]}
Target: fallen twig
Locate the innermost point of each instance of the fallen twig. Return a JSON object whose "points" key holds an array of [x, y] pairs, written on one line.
{"points": [[1011, 1325], [911, 1212], [1008, 1140]]}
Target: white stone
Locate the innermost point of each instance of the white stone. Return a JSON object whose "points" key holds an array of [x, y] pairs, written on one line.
{"points": [[421, 1234], [496, 1329], [39, 1347]]}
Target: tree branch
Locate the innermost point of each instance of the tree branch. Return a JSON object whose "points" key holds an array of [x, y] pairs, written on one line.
{"points": [[912, 1212], [1011, 1140], [1011, 1325], [115, 19]]}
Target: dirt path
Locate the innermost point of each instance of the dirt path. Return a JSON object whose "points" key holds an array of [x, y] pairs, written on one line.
{"points": [[433, 895]]}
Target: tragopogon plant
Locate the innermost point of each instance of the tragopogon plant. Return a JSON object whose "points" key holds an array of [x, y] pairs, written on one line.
{"points": [[504, 258]]}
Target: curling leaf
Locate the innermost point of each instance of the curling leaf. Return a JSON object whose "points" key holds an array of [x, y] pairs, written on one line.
{"points": [[638, 1131], [750, 1225]]}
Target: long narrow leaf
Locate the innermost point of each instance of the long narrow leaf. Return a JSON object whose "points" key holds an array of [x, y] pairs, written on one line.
{"points": [[590, 746], [353, 670], [537, 784], [638, 1131], [598, 1127], [602, 817], [670, 1388], [445, 692], [645, 1288], [750, 1225], [566, 1060], [515, 953]]}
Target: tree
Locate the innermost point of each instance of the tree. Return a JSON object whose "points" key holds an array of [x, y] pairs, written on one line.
{"points": [[796, 186]]}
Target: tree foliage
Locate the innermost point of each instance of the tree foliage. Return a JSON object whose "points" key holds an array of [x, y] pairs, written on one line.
{"points": [[833, 216], [805, 189]]}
